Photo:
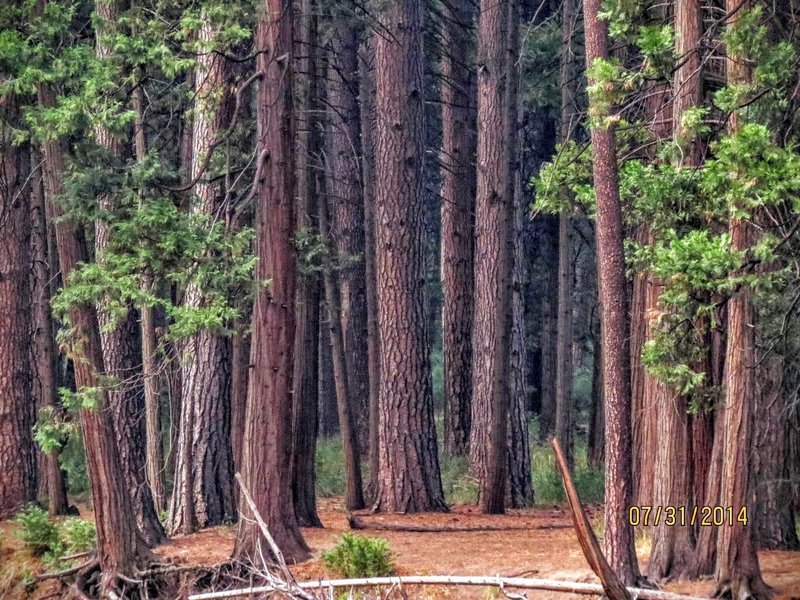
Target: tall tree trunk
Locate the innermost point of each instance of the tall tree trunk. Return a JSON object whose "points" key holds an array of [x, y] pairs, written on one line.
{"points": [[772, 515], [614, 324], [519, 483], [203, 491], [564, 338], [45, 354], [596, 443], [354, 494], [153, 452], [121, 341], [328, 409], [549, 335], [17, 407], [347, 223], [737, 570], [266, 457], [494, 250], [409, 478], [367, 109], [306, 343], [120, 546], [458, 221], [672, 549]]}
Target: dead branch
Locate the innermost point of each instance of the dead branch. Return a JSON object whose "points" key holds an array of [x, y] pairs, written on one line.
{"points": [[591, 548], [359, 523], [66, 572], [454, 580]]}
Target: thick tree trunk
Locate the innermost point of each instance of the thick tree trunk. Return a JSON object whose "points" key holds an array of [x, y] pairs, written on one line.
{"points": [[17, 406], [409, 478], [203, 491], [737, 570], [45, 355], [773, 515], [367, 110], [347, 223], [120, 547], [614, 325], [121, 341], [458, 222], [306, 348], [266, 457], [494, 250]]}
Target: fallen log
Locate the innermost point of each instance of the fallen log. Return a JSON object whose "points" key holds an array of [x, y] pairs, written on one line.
{"points": [[551, 585], [365, 524]]}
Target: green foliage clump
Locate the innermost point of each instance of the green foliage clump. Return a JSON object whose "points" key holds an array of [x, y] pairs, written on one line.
{"points": [[36, 529], [360, 556]]}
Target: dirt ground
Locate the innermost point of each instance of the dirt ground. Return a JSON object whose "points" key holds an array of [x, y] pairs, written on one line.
{"points": [[544, 546]]}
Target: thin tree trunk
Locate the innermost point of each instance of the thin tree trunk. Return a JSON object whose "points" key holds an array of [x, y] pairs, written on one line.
{"points": [[619, 547], [45, 355], [458, 222], [266, 456], [564, 338], [549, 334], [354, 493], [347, 203], [17, 407], [328, 408], [596, 442], [409, 478], [367, 99], [306, 351]]}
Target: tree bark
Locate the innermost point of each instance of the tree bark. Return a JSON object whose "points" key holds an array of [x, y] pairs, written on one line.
{"points": [[737, 570], [614, 324], [45, 355], [121, 341], [494, 250], [367, 110], [17, 407], [306, 351], [347, 202], [596, 442], [458, 221], [409, 478], [549, 334], [564, 337], [266, 457], [120, 546]]}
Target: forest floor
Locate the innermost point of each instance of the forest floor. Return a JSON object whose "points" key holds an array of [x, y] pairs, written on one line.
{"points": [[537, 542]]}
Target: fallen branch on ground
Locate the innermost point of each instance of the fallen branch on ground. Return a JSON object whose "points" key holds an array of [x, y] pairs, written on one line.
{"points": [[358, 523], [551, 585]]}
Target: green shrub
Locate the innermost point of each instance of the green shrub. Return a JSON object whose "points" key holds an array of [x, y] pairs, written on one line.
{"points": [[38, 532], [360, 556], [78, 534], [459, 486]]}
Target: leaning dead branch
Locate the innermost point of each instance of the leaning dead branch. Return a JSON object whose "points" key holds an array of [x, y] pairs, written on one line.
{"points": [[552, 585]]}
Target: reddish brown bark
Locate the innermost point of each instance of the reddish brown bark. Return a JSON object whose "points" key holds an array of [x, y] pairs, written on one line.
{"points": [[347, 203], [458, 222], [266, 456], [409, 479], [45, 383], [367, 109], [17, 406], [121, 339], [614, 324], [494, 250], [306, 350], [120, 547]]}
